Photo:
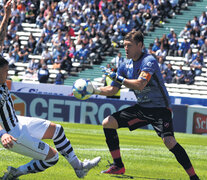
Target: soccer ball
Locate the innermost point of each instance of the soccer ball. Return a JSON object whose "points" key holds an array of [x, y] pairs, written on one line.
{"points": [[82, 89]]}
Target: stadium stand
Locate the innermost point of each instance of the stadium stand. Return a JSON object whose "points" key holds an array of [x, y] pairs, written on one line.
{"points": [[176, 19]]}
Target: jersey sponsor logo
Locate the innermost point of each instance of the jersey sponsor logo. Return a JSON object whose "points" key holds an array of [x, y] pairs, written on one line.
{"points": [[166, 124], [145, 75], [199, 123], [149, 64]]}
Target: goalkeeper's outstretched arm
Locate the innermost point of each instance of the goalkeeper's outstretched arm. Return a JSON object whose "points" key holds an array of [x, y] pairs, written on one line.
{"points": [[106, 90], [4, 23]]}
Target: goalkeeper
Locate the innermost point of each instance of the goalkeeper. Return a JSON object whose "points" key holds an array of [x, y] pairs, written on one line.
{"points": [[141, 73]]}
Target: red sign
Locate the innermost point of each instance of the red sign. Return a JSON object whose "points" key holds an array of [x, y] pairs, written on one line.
{"points": [[199, 123]]}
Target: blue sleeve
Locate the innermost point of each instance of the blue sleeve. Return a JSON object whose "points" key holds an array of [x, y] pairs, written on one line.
{"points": [[120, 72], [150, 65]]}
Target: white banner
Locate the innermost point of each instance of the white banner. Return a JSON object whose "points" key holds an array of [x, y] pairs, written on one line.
{"points": [[42, 88]]}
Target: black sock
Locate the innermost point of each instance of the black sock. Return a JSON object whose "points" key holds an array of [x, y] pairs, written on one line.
{"points": [[183, 158], [112, 140]]}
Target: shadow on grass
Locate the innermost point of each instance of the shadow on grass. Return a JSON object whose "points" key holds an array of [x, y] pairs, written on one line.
{"points": [[124, 176]]}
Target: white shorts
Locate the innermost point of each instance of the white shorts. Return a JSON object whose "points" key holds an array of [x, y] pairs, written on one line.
{"points": [[29, 132]]}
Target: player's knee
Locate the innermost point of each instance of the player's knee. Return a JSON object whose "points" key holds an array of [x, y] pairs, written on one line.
{"points": [[52, 153], [169, 142], [110, 122], [53, 160]]}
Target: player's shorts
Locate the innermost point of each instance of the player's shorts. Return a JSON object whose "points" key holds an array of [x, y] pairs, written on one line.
{"points": [[29, 132], [135, 117]]}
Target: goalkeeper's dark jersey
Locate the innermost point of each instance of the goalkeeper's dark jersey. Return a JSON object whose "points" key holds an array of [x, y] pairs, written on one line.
{"points": [[155, 93], [8, 119]]}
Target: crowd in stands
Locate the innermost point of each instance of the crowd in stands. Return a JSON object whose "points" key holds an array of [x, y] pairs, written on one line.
{"points": [[84, 31], [192, 49]]}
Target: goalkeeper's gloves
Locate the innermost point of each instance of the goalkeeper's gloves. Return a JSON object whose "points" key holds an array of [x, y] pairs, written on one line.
{"points": [[96, 90], [112, 75]]}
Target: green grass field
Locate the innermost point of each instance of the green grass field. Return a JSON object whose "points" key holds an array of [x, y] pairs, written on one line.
{"points": [[143, 153]]}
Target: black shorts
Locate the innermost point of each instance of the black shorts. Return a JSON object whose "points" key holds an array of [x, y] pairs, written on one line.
{"points": [[135, 117]]}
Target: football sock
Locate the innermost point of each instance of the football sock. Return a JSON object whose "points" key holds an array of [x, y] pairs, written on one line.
{"points": [[183, 159], [63, 146], [112, 140], [35, 166]]}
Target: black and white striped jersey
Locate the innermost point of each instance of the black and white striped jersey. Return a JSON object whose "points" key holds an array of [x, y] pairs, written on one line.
{"points": [[8, 118]]}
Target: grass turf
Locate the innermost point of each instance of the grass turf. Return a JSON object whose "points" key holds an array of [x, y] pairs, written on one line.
{"points": [[143, 153]]}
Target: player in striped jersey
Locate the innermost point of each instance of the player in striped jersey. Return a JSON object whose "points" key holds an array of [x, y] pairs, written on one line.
{"points": [[23, 135]]}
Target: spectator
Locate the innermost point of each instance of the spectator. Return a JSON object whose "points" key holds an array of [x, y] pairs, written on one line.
{"points": [[179, 76], [18, 21], [47, 32], [185, 33], [71, 31], [32, 67], [197, 65], [117, 61], [193, 40], [31, 43], [43, 74], [57, 62], [165, 42], [203, 19], [10, 58], [40, 20], [66, 63], [204, 31], [162, 65], [40, 46], [56, 41], [201, 41], [23, 54], [6, 45], [183, 48], [46, 56], [30, 15], [196, 31], [204, 48], [161, 53], [12, 29], [168, 74], [189, 76], [58, 51], [156, 47], [188, 56], [170, 35], [22, 9], [173, 50], [59, 78], [195, 22], [15, 51], [82, 54]]}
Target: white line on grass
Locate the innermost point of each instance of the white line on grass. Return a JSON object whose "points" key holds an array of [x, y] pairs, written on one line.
{"points": [[123, 149]]}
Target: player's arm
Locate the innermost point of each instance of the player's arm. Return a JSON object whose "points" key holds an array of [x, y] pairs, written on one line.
{"points": [[106, 90], [4, 23], [136, 84], [140, 83], [6, 139]]}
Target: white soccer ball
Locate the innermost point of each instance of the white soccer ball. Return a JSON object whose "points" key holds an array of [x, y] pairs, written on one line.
{"points": [[82, 89]]}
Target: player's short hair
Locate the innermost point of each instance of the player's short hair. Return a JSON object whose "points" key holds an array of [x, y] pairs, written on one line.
{"points": [[3, 62], [136, 36]]}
